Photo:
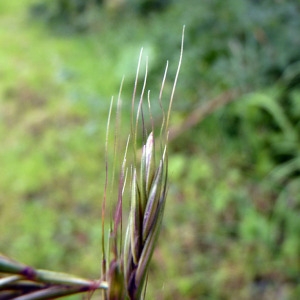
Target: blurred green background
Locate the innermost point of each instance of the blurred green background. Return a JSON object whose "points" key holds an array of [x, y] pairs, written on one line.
{"points": [[232, 227]]}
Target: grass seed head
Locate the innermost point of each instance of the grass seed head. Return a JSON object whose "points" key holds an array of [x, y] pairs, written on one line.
{"points": [[147, 200], [145, 218]]}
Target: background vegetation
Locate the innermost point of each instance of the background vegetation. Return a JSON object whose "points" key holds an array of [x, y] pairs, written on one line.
{"points": [[232, 226]]}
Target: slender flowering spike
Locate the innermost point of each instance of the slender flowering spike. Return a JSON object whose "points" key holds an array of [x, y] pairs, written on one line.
{"points": [[144, 224], [150, 242], [147, 200], [148, 249]]}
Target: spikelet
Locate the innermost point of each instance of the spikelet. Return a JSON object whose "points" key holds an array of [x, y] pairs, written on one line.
{"points": [[128, 269], [145, 218]]}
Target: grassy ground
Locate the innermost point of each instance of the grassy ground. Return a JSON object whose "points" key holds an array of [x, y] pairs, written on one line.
{"points": [[221, 237]]}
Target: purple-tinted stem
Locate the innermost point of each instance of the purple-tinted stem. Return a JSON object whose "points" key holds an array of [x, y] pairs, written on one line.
{"points": [[29, 273]]}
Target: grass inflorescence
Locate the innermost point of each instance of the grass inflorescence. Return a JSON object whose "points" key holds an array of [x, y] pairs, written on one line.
{"points": [[128, 269]]}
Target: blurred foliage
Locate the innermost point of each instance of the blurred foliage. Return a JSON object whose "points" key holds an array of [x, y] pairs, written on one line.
{"points": [[83, 15], [231, 228]]}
